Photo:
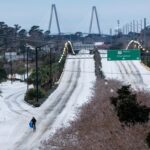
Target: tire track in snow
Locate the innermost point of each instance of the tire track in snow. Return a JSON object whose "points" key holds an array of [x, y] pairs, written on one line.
{"points": [[129, 75], [137, 72], [54, 111], [53, 104], [137, 75], [121, 72], [9, 99], [12, 103]]}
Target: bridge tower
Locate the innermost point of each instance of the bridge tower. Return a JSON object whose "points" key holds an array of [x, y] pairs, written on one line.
{"points": [[53, 9], [94, 10]]}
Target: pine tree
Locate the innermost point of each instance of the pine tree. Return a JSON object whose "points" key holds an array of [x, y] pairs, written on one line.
{"points": [[127, 107]]}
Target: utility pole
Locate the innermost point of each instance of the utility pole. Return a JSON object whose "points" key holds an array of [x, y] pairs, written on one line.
{"points": [[110, 35], [37, 78], [141, 24], [131, 27], [127, 28], [134, 26], [27, 67], [137, 25], [24, 60], [145, 38], [110, 31], [118, 22], [11, 65], [122, 30], [50, 63]]}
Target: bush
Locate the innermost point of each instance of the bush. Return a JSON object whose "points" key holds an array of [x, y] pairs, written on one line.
{"points": [[45, 74], [19, 67], [21, 70], [127, 108], [3, 75], [98, 65], [31, 94]]}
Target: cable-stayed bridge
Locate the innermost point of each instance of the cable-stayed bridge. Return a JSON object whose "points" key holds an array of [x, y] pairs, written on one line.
{"points": [[54, 13]]}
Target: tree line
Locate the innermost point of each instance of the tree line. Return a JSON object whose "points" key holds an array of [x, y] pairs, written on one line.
{"points": [[15, 37]]}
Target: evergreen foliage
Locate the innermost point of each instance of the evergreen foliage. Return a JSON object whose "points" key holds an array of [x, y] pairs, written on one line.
{"points": [[45, 74], [3, 75], [127, 107], [31, 94]]}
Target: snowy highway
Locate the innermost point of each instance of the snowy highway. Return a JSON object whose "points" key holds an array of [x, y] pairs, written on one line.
{"points": [[75, 89], [130, 72]]}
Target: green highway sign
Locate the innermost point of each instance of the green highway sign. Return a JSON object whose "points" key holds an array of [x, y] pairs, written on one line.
{"points": [[130, 54]]}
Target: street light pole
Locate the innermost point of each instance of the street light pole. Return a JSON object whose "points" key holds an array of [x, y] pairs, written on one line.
{"points": [[11, 65], [24, 61], [37, 84], [27, 67], [145, 38], [50, 62]]}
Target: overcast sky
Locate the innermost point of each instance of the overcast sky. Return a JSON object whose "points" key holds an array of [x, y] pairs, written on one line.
{"points": [[74, 15]]}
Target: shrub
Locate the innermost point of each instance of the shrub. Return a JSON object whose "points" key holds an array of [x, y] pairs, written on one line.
{"points": [[21, 70], [3, 75], [127, 108], [45, 74], [31, 94], [19, 67]]}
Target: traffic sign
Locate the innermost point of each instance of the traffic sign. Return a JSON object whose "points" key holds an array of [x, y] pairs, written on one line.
{"points": [[130, 54]]}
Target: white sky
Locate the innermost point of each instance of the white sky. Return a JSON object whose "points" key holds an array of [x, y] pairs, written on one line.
{"points": [[73, 15]]}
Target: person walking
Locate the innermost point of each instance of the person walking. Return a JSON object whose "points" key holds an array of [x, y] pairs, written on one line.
{"points": [[33, 122]]}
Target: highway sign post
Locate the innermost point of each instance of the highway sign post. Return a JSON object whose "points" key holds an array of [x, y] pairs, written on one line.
{"points": [[131, 54]]}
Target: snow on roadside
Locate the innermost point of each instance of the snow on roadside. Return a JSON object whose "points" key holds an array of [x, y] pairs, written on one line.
{"points": [[130, 72], [80, 95], [12, 116], [15, 114]]}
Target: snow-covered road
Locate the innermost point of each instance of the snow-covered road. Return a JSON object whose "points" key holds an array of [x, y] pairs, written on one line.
{"points": [[74, 89], [130, 72]]}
